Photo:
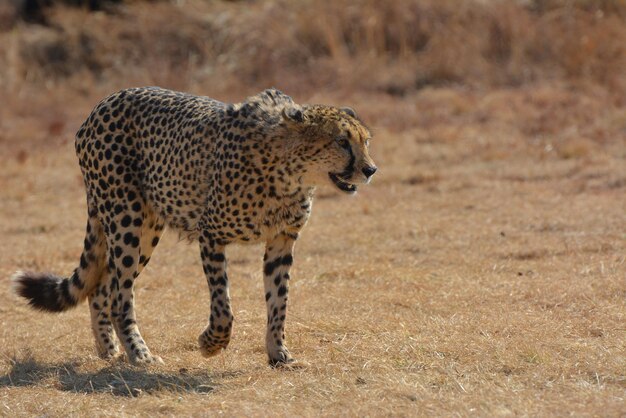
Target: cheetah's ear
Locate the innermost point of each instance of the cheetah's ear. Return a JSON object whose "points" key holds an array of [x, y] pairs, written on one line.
{"points": [[293, 115], [349, 111]]}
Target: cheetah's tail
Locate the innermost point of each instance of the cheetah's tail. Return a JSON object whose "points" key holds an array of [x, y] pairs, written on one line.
{"points": [[48, 292]]}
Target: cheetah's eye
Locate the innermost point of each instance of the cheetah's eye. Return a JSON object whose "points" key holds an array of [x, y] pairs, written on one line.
{"points": [[367, 142], [343, 142]]}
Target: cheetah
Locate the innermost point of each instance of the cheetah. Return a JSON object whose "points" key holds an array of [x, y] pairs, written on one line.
{"points": [[216, 173]]}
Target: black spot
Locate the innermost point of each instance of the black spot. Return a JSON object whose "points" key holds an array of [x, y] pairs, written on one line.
{"points": [[128, 261], [218, 257], [76, 281], [282, 291], [287, 260], [128, 238], [271, 266], [83, 261]]}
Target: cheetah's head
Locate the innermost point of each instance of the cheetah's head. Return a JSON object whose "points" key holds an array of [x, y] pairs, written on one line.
{"points": [[333, 145]]}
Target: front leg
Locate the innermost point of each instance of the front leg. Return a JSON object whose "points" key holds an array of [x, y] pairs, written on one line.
{"points": [[217, 334], [277, 262]]}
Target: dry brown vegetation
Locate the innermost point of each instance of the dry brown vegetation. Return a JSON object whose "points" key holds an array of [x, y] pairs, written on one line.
{"points": [[482, 273]]}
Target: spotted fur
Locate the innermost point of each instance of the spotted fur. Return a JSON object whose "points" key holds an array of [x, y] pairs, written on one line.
{"points": [[219, 173]]}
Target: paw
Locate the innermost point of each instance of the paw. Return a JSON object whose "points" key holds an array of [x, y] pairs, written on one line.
{"points": [[291, 365], [211, 346], [145, 359], [280, 357]]}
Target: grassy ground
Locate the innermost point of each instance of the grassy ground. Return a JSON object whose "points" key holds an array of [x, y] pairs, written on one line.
{"points": [[483, 272]]}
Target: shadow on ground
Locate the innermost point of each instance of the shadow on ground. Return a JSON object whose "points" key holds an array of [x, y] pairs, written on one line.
{"points": [[117, 380]]}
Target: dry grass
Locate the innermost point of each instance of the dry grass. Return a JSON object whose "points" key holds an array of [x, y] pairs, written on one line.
{"points": [[395, 47], [482, 273]]}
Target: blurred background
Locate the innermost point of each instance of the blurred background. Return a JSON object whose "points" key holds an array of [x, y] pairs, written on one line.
{"points": [[558, 67]]}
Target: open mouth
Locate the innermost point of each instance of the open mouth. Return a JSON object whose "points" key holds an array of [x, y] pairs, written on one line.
{"points": [[342, 184]]}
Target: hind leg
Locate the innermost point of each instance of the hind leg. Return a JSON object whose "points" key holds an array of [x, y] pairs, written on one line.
{"points": [[99, 299], [151, 232], [111, 303], [123, 230], [99, 304]]}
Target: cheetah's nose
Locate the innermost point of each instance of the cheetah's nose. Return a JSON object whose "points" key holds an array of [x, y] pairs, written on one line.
{"points": [[369, 171]]}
